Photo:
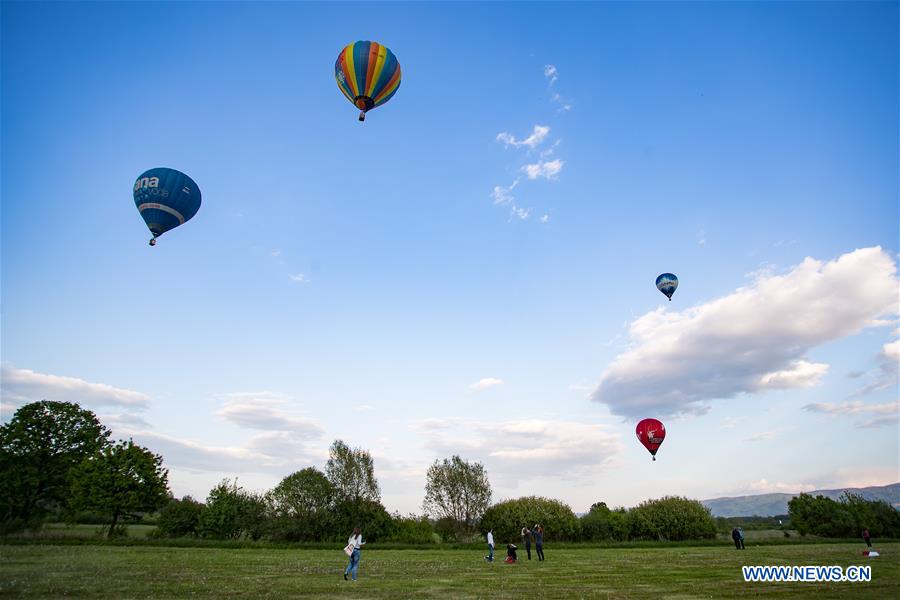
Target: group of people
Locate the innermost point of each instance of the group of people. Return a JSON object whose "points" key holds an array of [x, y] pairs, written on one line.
{"points": [[535, 533], [737, 534]]}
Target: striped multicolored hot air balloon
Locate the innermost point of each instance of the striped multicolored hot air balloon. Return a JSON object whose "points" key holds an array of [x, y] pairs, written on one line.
{"points": [[368, 75]]}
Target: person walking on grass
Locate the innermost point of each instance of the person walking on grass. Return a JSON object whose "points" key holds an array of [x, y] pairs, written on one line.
{"points": [[526, 537], [867, 537], [357, 542], [538, 532], [736, 537], [490, 541], [741, 536]]}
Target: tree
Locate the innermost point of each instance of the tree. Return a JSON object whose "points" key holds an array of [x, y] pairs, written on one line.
{"points": [[459, 490], [508, 517], [180, 518], [232, 512], [301, 506], [123, 478], [39, 447], [352, 473], [671, 518]]}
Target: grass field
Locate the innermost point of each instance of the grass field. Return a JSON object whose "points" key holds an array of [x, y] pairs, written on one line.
{"points": [[105, 571]]}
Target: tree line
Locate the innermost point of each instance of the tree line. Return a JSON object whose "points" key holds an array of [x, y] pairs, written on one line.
{"points": [[56, 460], [845, 517]]}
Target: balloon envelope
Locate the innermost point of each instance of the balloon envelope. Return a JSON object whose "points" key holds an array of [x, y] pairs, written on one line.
{"points": [[651, 434], [166, 198], [368, 74], [667, 283]]}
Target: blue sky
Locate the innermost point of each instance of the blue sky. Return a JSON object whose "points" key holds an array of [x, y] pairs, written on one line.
{"points": [[470, 270]]}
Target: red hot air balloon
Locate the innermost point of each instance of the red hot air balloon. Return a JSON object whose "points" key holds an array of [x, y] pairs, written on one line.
{"points": [[651, 433]]}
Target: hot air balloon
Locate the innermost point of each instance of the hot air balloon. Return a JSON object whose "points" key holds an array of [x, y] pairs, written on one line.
{"points": [[667, 283], [166, 198], [651, 433], [368, 75]]}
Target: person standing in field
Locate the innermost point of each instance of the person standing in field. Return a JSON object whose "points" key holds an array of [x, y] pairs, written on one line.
{"points": [[356, 541], [741, 536], [490, 541], [526, 537], [736, 537], [539, 540], [867, 537]]}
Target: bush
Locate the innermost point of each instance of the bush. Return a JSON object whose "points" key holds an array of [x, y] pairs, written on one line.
{"points": [[671, 518], [369, 515], [411, 530], [507, 519], [825, 517], [601, 523], [232, 513], [180, 518]]}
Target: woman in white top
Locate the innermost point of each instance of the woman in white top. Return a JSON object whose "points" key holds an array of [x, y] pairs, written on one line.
{"points": [[356, 541]]}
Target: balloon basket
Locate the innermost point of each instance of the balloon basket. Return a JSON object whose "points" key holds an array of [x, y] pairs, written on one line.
{"points": [[654, 459], [153, 242], [362, 115]]}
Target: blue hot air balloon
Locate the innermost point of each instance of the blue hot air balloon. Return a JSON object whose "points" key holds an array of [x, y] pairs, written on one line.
{"points": [[667, 283], [166, 198]]}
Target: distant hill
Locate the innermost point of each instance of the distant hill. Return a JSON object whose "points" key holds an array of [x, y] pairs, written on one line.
{"points": [[769, 505]]}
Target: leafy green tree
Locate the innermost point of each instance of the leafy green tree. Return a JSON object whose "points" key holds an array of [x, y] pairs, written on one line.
{"points": [[595, 525], [411, 530], [508, 517], [352, 473], [38, 448], [232, 512], [671, 518], [301, 506], [121, 479], [459, 490], [180, 518], [368, 515]]}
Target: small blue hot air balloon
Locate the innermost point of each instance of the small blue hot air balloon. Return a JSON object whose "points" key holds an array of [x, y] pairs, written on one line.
{"points": [[667, 283], [166, 198]]}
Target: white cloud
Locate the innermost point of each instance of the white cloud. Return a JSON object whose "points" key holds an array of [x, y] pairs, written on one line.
{"points": [[881, 415], [888, 374], [752, 340], [300, 278], [761, 436], [798, 374], [545, 218], [487, 382], [267, 411], [502, 195], [701, 238], [853, 408], [551, 73], [882, 421], [516, 451], [275, 253], [21, 386], [765, 487], [521, 213], [546, 169], [538, 134]]}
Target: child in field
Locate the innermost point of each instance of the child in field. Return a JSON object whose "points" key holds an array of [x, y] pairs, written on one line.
{"points": [[511, 553]]}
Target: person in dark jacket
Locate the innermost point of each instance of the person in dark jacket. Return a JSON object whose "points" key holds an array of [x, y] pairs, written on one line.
{"points": [[736, 537], [526, 537], [867, 537], [538, 533]]}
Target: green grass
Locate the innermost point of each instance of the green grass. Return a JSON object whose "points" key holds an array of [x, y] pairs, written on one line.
{"points": [[107, 571]]}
